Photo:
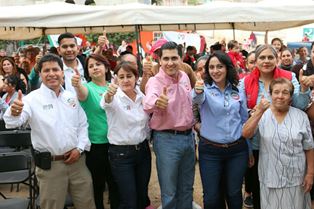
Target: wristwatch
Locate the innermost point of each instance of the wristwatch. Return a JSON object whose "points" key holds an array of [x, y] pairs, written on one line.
{"points": [[80, 150]]}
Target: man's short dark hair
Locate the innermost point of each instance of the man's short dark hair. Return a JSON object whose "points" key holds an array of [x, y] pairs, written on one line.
{"points": [[66, 35], [170, 45], [312, 45], [50, 58]]}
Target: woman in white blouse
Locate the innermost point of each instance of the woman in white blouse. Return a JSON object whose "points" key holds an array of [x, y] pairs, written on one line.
{"points": [[129, 153], [286, 157]]}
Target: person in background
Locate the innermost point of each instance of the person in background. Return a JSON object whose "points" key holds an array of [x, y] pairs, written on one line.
{"points": [[189, 57], [59, 138], [8, 67], [303, 55], [169, 102], [68, 50], [11, 86], [250, 65], [223, 152], [235, 55], [278, 45], [286, 59], [128, 133], [286, 157], [98, 71]]}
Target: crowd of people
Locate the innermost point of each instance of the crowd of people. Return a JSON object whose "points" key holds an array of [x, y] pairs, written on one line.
{"points": [[93, 118]]}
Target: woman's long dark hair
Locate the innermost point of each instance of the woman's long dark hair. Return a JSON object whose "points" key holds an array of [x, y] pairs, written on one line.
{"points": [[231, 76]]}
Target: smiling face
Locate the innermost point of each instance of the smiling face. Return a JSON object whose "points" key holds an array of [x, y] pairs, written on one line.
{"points": [[52, 75], [281, 97], [277, 45], [170, 61], [126, 80], [7, 67], [68, 49], [286, 58], [96, 69], [266, 61], [217, 71]]}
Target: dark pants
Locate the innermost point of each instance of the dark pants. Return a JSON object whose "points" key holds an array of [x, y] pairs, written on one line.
{"points": [[248, 180], [222, 166], [131, 168], [98, 164], [255, 182]]}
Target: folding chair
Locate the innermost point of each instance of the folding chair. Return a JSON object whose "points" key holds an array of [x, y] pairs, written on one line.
{"points": [[16, 168], [20, 142]]}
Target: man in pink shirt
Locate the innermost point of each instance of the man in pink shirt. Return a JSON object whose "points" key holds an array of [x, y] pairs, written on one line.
{"points": [[169, 101]]}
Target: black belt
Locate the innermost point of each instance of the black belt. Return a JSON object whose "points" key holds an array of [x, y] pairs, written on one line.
{"points": [[175, 132], [130, 147], [226, 145]]}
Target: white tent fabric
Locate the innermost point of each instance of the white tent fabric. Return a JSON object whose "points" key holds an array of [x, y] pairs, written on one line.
{"points": [[25, 22]]}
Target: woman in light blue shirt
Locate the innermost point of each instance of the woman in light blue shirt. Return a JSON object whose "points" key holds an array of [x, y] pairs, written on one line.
{"points": [[223, 152]]}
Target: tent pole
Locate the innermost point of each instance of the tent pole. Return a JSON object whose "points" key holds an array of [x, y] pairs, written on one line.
{"points": [[233, 30], [138, 40], [266, 37]]}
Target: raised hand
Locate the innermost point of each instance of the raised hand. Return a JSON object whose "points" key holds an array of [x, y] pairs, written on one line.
{"points": [[263, 104], [76, 79], [147, 68], [112, 90], [162, 101], [17, 106], [305, 81], [102, 40], [199, 85]]}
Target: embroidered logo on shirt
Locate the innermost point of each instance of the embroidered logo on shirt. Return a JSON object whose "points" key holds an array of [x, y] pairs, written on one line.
{"points": [[127, 107], [71, 102], [48, 107], [235, 95]]}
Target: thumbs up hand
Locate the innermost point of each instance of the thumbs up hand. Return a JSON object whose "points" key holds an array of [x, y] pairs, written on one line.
{"points": [[102, 40], [112, 90], [76, 79], [17, 106], [199, 85], [162, 101], [305, 81], [263, 104]]}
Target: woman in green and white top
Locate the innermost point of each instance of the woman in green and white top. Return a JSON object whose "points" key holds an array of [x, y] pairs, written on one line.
{"points": [[98, 70]]}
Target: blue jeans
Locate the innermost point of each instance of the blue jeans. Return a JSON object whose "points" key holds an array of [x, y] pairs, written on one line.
{"points": [[222, 166], [175, 158], [131, 168]]}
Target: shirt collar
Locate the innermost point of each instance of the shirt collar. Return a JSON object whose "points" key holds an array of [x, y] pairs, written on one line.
{"points": [[66, 68], [214, 86], [168, 78], [139, 94], [47, 91]]}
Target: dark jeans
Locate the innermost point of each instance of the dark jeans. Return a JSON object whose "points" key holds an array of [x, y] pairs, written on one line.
{"points": [[255, 182], [248, 180], [222, 166], [131, 168], [98, 164]]}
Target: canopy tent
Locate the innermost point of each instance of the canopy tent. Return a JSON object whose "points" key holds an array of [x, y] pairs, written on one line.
{"points": [[26, 22]]}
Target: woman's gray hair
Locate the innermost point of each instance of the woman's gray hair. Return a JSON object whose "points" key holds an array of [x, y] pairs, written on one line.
{"points": [[261, 48]]}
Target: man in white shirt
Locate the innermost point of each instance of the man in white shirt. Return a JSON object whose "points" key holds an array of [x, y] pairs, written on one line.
{"points": [[68, 50], [59, 137]]}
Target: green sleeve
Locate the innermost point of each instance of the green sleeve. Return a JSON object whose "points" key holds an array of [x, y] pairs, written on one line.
{"points": [[33, 77]]}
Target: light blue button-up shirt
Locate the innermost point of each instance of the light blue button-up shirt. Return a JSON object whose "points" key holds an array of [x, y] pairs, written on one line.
{"points": [[222, 113]]}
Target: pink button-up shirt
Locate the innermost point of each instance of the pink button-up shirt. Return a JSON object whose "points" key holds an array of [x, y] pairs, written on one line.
{"points": [[178, 115]]}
